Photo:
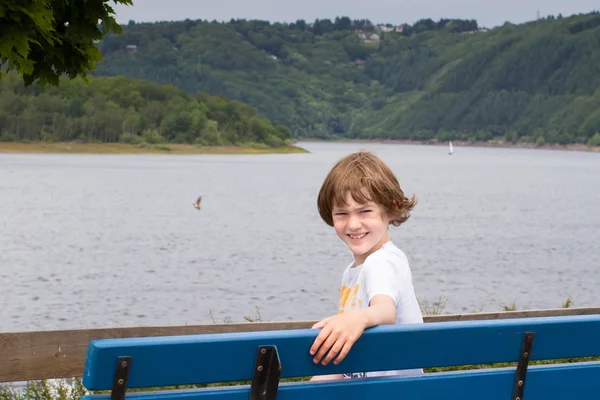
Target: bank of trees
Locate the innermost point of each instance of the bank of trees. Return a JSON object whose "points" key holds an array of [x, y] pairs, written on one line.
{"points": [[124, 109]]}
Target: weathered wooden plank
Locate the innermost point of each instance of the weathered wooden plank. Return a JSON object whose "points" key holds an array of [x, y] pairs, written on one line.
{"points": [[198, 359], [543, 383], [555, 312], [61, 354]]}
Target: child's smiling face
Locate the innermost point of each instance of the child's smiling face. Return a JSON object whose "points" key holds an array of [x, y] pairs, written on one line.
{"points": [[363, 227]]}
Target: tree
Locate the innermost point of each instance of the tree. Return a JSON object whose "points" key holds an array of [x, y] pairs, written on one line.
{"points": [[343, 24], [45, 39], [98, 111]]}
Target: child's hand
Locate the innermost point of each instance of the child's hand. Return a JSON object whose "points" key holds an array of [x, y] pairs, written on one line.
{"points": [[338, 335]]}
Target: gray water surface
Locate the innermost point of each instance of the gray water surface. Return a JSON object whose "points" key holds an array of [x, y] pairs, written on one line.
{"points": [[113, 240]]}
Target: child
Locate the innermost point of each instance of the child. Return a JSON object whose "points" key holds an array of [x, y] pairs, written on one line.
{"points": [[360, 198]]}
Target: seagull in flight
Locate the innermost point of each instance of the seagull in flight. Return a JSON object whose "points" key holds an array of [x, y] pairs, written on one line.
{"points": [[197, 203]]}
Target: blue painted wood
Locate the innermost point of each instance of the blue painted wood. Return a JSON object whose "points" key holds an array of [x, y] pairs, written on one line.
{"points": [[581, 382], [178, 360]]}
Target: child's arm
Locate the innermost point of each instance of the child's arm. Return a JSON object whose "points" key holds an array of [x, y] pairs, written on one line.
{"points": [[341, 331]]}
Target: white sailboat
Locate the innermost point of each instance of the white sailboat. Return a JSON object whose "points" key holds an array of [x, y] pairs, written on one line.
{"points": [[451, 149]]}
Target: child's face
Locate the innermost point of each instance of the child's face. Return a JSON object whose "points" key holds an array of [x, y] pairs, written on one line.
{"points": [[363, 227]]}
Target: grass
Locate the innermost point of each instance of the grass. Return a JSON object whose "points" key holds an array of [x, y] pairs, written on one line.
{"points": [[437, 308], [58, 389], [54, 389], [144, 148]]}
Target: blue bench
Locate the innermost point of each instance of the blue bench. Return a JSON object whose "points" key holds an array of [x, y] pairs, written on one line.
{"points": [[263, 358]]}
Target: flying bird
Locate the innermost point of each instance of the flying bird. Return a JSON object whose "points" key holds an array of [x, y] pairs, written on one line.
{"points": [[197, 203]]}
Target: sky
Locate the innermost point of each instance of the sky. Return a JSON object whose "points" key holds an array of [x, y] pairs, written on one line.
{"points": [[488, 13]]}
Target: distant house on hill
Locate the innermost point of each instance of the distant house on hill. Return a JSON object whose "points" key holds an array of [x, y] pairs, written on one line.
{"points": [[384, 28], [389, 28], [373, 37], [368, 37], [131, 48]]}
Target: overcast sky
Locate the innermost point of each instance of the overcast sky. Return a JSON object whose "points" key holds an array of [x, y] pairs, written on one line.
{"points": [[488, 13]]}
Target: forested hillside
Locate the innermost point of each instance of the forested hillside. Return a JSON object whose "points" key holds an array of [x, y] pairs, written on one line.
{"points": [[448, 79], [123, 109]]}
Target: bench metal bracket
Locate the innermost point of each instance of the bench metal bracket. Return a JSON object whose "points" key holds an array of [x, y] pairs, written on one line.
{"points": [[522, 365], [121, 374], [267, 370]]}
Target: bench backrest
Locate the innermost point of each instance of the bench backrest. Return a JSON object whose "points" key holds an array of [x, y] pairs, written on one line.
{"points": [[198, 359]]}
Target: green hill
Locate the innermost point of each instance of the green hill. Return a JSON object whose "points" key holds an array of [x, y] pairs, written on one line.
{"points": [[448, 79], [122, 109]]}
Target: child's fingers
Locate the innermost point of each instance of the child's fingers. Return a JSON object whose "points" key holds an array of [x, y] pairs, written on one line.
{"points": [[320, 324], [335, 349], [319, 340], [344, 352], [330, 341]]}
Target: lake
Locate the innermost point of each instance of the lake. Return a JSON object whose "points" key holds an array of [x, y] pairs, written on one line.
{"points": [[113, 240]]}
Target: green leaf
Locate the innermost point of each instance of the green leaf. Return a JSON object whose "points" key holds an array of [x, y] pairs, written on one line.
{"points": [[32, 42]]}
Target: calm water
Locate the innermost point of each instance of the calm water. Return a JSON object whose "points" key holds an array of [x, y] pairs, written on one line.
{"points": [[113, 240]]}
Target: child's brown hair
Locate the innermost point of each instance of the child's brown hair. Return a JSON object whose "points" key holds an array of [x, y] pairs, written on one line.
{"points": [[367, 178]]}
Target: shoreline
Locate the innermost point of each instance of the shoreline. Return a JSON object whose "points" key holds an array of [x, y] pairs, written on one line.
{"points": [[177, 148], [465, 143], [122, 148]]}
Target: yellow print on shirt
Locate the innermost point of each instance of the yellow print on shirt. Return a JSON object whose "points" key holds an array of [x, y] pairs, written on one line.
{"points": [[349, 298]]}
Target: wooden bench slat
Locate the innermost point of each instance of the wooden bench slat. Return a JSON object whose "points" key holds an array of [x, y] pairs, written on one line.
{"points": [[179, 360], [543, 383]]}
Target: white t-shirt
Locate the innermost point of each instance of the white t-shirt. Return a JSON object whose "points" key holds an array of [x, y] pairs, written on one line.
{"points": [[387, 272]]}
